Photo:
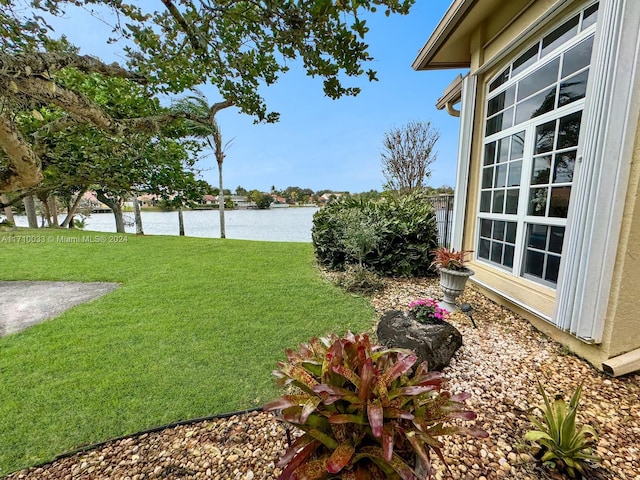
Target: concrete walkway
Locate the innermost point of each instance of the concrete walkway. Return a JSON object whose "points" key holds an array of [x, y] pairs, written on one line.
{"points": [[24, 304]]}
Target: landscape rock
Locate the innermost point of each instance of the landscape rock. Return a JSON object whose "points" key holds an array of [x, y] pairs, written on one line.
{"points": [[434, 342]]}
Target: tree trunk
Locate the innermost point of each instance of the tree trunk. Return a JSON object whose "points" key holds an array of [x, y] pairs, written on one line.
{"points": [[7, 210], [54, 211], [181, 221], [46, 211], [67, 222], [116, 208], [138, 216], [221, 201], [30, 208]]}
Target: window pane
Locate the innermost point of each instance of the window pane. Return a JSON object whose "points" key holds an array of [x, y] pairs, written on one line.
{"points": [[508, 256], [545, 135], [538, 202], [485, 228], [503, 77], [487, 177], [503, 150], [537, 105], [501, 101], [500, 122], [569, 130], [485, 202], [495, 104], [563, 169], [501, 176], [534, 263], [573, 88], [496, 252], [498, 231], [537, 237], [490, 153], [577, 58], [559, 205], [553, 265], [517, 145], [511, 232], [590, 16], [511, 206], [515, 172], [556, 239], [560, 35], [541, 169], [498, 202], [527, 58], [483, 248], [542, 77]]}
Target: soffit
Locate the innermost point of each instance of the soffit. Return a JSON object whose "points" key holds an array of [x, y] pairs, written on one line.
{"points": [[449, 46]]}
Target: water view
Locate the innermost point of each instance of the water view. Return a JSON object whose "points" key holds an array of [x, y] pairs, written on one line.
{"points": [[276, 224]]}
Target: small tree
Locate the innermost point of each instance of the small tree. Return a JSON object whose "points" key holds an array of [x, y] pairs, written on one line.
{"points": [[408, 154]]}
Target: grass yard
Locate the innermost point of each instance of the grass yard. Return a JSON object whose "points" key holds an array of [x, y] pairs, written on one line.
{"points": [[195, 329]]}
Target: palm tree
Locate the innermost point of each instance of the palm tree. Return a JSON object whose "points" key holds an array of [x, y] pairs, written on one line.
{"points": [[197, 107]]}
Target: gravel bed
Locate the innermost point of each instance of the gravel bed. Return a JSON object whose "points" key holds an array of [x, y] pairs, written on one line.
{"points": [[499, 364]]}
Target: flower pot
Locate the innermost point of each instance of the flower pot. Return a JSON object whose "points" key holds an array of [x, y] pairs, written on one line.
{"points": [[452, 283]]}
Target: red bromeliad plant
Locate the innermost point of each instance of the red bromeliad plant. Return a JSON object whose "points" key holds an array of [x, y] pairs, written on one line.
{"points": [[364, 411], [450, 259]]}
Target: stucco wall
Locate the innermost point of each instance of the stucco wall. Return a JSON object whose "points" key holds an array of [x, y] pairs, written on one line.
{"points": [[622, 332]]}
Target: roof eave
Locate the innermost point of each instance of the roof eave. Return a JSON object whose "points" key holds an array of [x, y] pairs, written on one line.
{"points": [[448, 24]]}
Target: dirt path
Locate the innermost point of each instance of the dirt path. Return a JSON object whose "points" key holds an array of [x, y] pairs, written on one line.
{"points": [[24, 304]]}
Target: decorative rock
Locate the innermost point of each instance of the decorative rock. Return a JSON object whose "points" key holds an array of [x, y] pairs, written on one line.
{"points": [[434, 342]]}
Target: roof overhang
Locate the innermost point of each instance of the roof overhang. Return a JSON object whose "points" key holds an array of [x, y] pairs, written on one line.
{"points": [[429, 57], [449, 46], [451, 96]]}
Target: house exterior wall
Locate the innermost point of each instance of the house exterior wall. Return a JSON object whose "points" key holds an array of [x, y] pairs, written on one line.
{"points": [[535, 301], [623, 331]]}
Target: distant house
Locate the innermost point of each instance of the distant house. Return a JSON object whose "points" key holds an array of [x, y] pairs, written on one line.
{"points": [[209, 200], [327, 197], [241, 202], [90, 199], [147, 201], [549, 163]]}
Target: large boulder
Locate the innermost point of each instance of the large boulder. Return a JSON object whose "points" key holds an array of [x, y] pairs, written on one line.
{"points": [[434, 342]]}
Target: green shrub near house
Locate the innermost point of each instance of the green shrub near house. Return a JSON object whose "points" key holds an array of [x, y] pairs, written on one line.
{"points": [[391, 236]]}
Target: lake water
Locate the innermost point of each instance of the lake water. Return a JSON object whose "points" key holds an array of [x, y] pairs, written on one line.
{"points": [[276, 224]]}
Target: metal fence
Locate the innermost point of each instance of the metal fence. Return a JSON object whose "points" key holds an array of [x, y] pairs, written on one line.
{"points": [[443, 205]]}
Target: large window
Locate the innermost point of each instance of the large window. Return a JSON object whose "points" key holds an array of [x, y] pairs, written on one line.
{"points": [[533, 114]]}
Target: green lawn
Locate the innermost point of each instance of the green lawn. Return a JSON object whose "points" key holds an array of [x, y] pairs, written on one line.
{"points": [[195, 329]]}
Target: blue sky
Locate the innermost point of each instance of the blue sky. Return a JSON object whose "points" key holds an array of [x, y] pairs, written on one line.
{"points": [[321, 143]]}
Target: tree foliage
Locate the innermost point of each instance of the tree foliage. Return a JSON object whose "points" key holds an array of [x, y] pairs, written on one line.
{"points": [[236, 46], [407, 154]]}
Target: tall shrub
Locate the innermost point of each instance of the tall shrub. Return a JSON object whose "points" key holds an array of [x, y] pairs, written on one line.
{"points": [[405, 234]]}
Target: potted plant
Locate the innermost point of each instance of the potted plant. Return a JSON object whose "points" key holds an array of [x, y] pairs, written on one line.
{"points": [[365, 411], [453, 274]]}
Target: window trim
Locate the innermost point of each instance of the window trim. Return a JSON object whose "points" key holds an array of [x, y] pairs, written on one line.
{"points": [[608, 135], [522, 217]]}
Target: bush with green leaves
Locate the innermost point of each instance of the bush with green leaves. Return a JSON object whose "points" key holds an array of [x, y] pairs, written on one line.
{"points": [[392, 236], [365, 412], [359, 280], [564, 446]]}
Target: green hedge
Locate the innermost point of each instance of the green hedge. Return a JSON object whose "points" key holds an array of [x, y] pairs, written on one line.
{"points": [[391, 236]]}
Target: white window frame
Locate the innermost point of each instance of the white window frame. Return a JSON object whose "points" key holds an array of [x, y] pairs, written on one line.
{"points": [[529, 127], [608, 136]]}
